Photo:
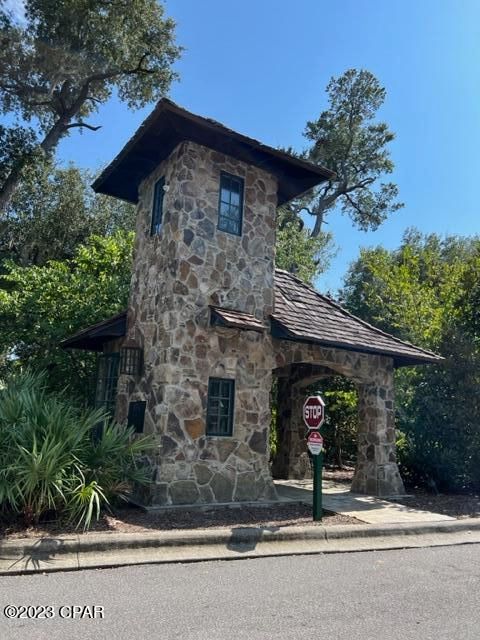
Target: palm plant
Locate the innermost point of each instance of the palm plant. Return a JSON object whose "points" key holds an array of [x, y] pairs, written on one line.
{"points": [[49, 460]]}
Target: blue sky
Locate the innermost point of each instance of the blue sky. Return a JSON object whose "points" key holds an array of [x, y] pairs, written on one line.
{"points": [[261, 67]]}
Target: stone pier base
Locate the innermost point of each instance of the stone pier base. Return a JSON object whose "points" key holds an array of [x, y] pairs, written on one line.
{"points": [[377, 472], [377, 479]]}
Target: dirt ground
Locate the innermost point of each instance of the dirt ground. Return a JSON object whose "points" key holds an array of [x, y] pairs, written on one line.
{"points": [[134, 520], [129, 519], [341, 476], [456, 505]]}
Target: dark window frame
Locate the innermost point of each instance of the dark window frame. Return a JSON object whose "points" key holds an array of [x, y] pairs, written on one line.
{"points": [[215, 415], [108, 365], [157, 207], [222, 216], [131, 359]]}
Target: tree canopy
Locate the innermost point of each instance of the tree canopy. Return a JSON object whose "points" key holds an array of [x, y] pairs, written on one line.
{"points": [[42, 305], [413, 290], [347, 139], [427, 291], [297, 251], [54, 210], [66, 58]]}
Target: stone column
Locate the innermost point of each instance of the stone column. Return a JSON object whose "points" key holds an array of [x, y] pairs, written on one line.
{"points": [[377, 471], [292, 459]]}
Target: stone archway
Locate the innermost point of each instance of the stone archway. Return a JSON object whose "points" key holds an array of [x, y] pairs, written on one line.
{"points": [[292, 460], [299, 365]]}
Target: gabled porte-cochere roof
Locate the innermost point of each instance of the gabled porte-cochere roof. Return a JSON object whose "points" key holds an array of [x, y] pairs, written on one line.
{"points": [[301, 314], [169, 124]]}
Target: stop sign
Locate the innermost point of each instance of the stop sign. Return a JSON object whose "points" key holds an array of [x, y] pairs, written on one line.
{"points": [[314, 412]]}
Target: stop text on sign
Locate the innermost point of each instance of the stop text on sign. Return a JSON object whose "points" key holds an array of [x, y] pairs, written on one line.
{"points": [[314, 412]]}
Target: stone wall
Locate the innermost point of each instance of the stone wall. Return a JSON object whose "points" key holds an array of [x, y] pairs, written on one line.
{"points": [[177, 275], [298, 365]]}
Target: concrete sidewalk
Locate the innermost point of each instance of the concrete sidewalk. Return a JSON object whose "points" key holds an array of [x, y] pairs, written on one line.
{"points": [[339, 499]]}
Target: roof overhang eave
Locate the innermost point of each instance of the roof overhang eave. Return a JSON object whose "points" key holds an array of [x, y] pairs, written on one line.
{"points": [[179, 125], [95, 336], [281, 332]]}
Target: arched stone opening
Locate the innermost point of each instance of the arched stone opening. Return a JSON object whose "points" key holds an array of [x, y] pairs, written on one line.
{"points": [[300, 365], [292, 460]]}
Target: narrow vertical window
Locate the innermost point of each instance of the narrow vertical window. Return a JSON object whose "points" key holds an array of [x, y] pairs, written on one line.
{"points": [[230, 206], [157, 208], [220, 406], [107, 379], [136, 415]]}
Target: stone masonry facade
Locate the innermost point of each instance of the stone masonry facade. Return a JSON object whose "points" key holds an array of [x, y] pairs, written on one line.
{"points": [[300, 365], [177, 275]]}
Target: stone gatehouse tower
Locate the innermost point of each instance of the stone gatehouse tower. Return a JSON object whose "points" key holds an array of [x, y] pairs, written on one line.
{"points": [[181, 275], [210, 320]]}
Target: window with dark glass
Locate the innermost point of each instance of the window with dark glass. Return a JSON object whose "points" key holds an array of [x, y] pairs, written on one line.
{"points": [[130, 360], [157, 208], [136, 415], [107, 380], [230, 207], [221, 396]]}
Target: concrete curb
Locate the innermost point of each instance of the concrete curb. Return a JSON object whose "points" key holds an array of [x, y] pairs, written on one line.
{"points": [[95, 550]]}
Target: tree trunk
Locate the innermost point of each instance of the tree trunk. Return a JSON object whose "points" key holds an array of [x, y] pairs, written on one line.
{"points": [[12, 181], [8, 187], [338, 448], [317, 229], [52, 138]]}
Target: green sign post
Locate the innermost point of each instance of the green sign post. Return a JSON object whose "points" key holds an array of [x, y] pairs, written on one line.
{"points": [[317, 486], [313, 416]]}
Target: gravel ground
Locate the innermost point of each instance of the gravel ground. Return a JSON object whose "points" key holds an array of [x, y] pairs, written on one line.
{"points": [[133, 520]]}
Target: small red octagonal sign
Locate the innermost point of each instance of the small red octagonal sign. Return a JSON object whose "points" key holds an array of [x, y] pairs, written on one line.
{"points": [[314, 412]]}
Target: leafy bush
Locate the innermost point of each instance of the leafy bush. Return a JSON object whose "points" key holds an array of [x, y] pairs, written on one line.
{"points": [[42, 305], [50, 461], [428, 292], [341, 419]]}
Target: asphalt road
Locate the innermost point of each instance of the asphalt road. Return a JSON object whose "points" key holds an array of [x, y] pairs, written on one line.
{"points": [[416, 593]]}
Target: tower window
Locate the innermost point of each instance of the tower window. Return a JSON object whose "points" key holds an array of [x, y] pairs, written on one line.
{"points": [[230, 206], [157, 208], [221, 396]]}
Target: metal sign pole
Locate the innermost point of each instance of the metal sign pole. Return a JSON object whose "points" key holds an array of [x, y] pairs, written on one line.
{"points": [[314, 416], [317, 486]]}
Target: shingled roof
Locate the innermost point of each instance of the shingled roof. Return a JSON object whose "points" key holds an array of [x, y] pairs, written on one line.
{"points": [[96, 335], [235, 319], [303, 314], [170, 124]]}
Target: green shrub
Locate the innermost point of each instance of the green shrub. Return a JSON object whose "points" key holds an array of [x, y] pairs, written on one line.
{"points": [[50, 461], [341, 419]]}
